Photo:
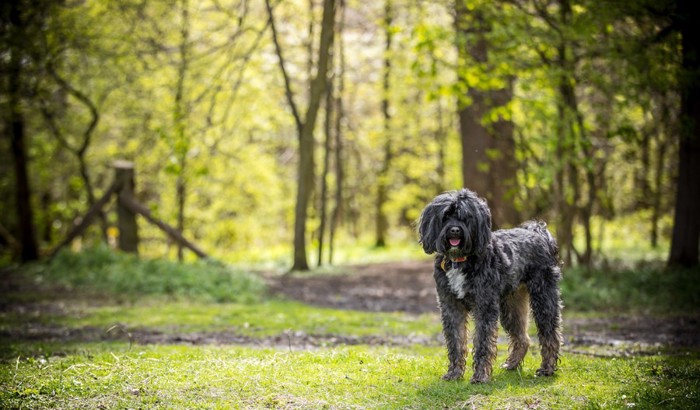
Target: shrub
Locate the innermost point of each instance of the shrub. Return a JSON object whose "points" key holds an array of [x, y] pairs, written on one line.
{"points": [[649, 289], [102, 270]]}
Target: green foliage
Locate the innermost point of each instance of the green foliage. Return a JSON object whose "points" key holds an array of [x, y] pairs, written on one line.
{"points": [[646, 289], [102, 270], [229, 137]]}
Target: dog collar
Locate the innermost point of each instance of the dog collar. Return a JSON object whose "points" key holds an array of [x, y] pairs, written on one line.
{"points": [[442, 264]]}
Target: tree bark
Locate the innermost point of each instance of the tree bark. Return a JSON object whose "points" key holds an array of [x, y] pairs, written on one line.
{"points": [[181, 145], [686, 223], [338, 146], [327, 153], [571, 133], [381, 220], [488, 147], [25, 214], [305, 127]]}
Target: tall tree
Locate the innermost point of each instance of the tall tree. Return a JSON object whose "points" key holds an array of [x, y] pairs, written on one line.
{"points": [[488, 146], [21, 21], [339, 76], [305, 126], [381, 222], [686, 224], [328, 130], [180, 113]]}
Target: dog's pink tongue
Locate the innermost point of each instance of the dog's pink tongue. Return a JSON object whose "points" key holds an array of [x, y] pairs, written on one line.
{"points": [[455, 242]]}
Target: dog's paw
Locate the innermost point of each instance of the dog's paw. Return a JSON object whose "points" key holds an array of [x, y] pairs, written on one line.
{"points": [[479, 379], [508, 365], [544, 372], [453, 375]]}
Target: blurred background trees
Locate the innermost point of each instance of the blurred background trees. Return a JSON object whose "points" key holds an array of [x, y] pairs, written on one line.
{"points": [[260, 127]]}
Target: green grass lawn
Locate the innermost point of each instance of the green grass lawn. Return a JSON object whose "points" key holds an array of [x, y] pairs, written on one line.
{"points": [[114, 375], [355, 369]]}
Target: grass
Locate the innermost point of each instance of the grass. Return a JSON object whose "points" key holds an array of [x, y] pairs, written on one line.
{"points": [[109, 375], [270, 318], [59, 372]]}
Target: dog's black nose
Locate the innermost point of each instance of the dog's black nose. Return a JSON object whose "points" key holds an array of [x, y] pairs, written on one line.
{"points": [[455, 231]]}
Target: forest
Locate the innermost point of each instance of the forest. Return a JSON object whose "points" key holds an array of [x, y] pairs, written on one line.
{"points": [[213, 204], [286, 131]]}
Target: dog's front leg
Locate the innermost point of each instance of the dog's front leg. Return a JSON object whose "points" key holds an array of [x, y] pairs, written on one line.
{"points": [[485, 339], [454, 314]]}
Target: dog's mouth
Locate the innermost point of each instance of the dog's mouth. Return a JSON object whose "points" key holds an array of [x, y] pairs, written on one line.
{"points": [[455, 242]]}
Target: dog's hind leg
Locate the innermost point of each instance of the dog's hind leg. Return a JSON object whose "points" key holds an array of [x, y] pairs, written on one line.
{"points": [[514, 318], [546, 309]]}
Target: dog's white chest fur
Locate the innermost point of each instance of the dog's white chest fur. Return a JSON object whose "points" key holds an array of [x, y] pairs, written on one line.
{"points": [[456, 279]]}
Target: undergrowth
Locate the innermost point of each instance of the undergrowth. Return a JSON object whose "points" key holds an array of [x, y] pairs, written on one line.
{"points": [[101, 270], [645, 288], [642, 290]]}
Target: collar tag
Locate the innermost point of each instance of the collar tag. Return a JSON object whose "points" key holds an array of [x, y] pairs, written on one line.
{"points": [[444, 260]]}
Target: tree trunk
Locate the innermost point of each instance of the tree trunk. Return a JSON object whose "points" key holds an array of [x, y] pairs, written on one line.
{"points": [[657, 193], [305, 172], [686, 223], [338, 146], [25, 215], [326, 168], [181, 144], [571, 134], [180, 195], [441, 138], [381, 222], [488, 147], [503, 164], [564, 199], [306, 137], [474, 136]]}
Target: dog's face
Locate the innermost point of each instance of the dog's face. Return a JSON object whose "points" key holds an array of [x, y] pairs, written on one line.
{"points": [[456, 224]]}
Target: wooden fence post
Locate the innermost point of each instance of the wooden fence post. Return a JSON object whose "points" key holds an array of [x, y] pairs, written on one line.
{"points": [[126, 218]]}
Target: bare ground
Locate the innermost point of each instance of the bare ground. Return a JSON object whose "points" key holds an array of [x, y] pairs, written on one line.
{"points": [[386, 287], [389, 287], [409, 287]]}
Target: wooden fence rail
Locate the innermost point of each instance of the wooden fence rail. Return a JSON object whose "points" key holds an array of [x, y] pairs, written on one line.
{"points": [[127, 209]]}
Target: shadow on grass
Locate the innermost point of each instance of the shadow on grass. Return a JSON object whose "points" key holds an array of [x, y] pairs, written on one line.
{"points": [[506, 389]]}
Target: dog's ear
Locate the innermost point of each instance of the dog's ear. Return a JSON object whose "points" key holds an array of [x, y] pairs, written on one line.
{"points": [[478, 210], [430, 225], [483, 225]]}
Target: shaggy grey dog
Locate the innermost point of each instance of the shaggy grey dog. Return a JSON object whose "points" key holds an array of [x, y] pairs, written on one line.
{"points": [[488, 275]]}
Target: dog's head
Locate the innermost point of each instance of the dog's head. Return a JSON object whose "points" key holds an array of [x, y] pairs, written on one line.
{"points": [[456, 224]]}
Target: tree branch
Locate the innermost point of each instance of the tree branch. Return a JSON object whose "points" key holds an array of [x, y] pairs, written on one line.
{"points": [[287, 81], [95, 115]]}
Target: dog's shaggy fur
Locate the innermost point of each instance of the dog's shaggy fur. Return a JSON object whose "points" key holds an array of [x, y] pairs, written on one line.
{"points": [[488, 274]]}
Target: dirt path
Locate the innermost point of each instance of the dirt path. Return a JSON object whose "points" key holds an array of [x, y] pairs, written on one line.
{"points": [[389, 287], [409, 287]]}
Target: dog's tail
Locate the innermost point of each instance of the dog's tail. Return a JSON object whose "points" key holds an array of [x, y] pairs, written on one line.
{"points": [[540, 227]]}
